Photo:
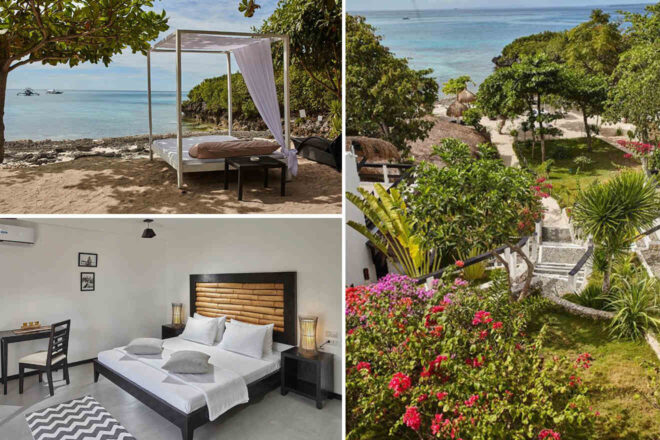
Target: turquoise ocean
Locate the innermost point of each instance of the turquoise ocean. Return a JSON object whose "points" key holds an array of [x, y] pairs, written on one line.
{"points": [[92, 114], [457, 42]]}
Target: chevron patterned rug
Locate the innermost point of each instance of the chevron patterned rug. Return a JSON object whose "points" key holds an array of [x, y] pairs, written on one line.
{"points": [[79, 419]]}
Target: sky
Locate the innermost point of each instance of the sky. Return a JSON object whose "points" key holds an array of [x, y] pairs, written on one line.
{"points": [[366, 5], [128, 71]]}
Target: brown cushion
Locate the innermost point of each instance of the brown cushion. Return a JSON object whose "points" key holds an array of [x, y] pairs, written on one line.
{"points": [[219, 150]]}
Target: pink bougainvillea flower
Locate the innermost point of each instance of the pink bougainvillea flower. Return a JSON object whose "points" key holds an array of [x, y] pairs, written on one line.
{"points": [[364, 366], [460, 282], [540, 179], [481, 317], [412, 419], [437, 309], [497, 325], [441, 395], [483, 334], [437, 424], [471, 401], [549, 434], [627, 156], [460, 263], [422, 398], [399, 383]]}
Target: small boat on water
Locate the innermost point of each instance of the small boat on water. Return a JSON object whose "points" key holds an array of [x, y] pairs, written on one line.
{"points": [[27, 92], [406, 18], [54, 92]]}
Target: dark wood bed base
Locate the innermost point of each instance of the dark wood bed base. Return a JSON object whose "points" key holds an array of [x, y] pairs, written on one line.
{"points": [[189, 422]]}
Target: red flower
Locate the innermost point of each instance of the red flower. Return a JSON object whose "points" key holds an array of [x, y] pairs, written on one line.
{"points": [[549, 433], [583, 360], [460, 263], [483, 334], [437, 424], [627, 156], [481, 317], [422, 398], [399, 383], [540, 180], [472, 400], [411, 418], [437, 309], [497, 324], [441, 395], [364, 366], [434, 366]]}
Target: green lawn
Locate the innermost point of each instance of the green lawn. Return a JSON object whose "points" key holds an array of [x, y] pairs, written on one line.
{"points": [[563, 174], [617, 381]]}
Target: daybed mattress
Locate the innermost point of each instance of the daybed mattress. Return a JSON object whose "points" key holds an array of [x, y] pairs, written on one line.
{"points": [[168, 151], [181, 396]]}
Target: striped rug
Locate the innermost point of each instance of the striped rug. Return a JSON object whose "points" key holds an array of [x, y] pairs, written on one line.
{"points": [[79, 419]]}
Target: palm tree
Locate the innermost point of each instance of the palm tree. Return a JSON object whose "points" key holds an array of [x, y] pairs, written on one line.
{"points": [[398, 238], [614, 213]]}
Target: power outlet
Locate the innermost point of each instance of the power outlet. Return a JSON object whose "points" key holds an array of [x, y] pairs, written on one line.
{"points": [[331, 334]]}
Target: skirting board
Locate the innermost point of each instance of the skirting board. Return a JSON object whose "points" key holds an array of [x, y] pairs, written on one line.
{"points": [[35, 372]]}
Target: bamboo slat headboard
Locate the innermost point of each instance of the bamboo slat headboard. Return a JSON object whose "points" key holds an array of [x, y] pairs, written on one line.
{"points": [[257, 298]]}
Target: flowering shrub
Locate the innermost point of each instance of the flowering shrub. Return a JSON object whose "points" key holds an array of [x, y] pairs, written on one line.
{"points": [[452, 362], [648, 154]]}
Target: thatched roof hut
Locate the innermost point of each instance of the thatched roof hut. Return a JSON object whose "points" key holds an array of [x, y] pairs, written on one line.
{"points": [[456, 109], [466, 97], [374, 149]]}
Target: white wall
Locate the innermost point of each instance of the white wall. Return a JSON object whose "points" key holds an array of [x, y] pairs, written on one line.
{"points": [[138, 279], [41, 282]]}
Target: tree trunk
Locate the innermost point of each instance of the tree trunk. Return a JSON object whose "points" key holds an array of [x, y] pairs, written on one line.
{"points": [[3, 92], [587, 130], [538, 108], [499, 258], [530, 272], [607, 276]]}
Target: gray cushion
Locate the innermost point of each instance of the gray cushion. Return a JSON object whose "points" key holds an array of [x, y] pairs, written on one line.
{"points": [[188, 362], [145, 346]]}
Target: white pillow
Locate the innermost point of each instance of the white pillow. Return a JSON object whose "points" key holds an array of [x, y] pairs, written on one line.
{"points": [[244, 340], [268, 339], [220, 322], [200, 330]]}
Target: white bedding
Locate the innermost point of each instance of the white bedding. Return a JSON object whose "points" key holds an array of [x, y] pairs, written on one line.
{"points": [[167, 149], [187, 397]]}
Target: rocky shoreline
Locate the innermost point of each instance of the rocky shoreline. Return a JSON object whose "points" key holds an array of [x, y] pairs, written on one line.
{"points": [[28, 153]]}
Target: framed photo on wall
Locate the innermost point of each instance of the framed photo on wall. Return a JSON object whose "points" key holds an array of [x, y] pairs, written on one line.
{"points": [[87, 281], [86, 259]]}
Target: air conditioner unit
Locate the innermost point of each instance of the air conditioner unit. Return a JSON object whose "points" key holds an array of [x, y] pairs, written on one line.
{"points": [[16, 234]]}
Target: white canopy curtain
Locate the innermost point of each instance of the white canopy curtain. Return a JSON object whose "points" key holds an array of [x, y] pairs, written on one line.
{"points": [[256, 64]]}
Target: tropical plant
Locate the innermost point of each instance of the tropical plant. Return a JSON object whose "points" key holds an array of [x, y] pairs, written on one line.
{"points": [[591, 296], [475, 271], [587, 92], [476, 202], [454, 86], [452, 151], [512, 91], [399, 238], [314, 30], [615, 212], [452, 361], [71, 32], [636, 308], [583, 162], [386, 98], [472, 117], [636, 95]]}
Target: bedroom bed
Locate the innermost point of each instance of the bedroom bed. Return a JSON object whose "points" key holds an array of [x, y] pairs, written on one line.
{"points": [[258, 298]]}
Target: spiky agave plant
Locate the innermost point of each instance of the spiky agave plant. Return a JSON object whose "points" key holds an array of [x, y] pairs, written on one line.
{"points": [[636, 308], [615, 212], [398, 238]]}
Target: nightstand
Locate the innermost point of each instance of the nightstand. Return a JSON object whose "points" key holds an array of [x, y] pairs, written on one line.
{"points": [[307, 375], [171, 330]]}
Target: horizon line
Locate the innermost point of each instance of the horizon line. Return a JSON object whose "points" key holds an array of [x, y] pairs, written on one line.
{"points": [[504, 8]]}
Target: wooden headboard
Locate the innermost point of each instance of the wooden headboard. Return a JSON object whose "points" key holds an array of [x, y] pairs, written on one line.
{"points": [[257, 298]]}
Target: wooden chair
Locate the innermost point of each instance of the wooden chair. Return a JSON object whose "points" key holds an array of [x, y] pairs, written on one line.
{"points": [[53, 359]]}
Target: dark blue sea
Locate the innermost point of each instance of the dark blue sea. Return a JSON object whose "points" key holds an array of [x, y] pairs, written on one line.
{"points": [[458, 42]]}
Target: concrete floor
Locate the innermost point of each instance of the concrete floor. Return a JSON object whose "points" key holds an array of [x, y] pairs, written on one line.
{"points": [[273, 417]]}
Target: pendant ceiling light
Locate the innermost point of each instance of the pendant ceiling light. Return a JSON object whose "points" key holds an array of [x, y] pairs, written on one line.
{"points": [[148, 233]]}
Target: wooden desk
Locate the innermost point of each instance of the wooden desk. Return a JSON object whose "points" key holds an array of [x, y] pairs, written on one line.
{"points": [[7, 337]]}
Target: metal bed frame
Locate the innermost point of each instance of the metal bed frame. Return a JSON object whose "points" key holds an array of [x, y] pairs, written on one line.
{"points": [[215, 166]]}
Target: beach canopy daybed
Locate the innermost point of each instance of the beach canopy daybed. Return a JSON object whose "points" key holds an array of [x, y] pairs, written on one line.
{"points": [[254, 58]]}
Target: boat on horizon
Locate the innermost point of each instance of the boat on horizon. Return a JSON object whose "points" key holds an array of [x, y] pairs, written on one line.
{"points": [[27, 92], [54, 92]]}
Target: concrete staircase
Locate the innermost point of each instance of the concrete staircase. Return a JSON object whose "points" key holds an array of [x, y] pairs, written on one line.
{"points": [[556, 260]]}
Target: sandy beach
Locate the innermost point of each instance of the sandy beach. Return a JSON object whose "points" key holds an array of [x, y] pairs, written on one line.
{"points": [[115, 176]]}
